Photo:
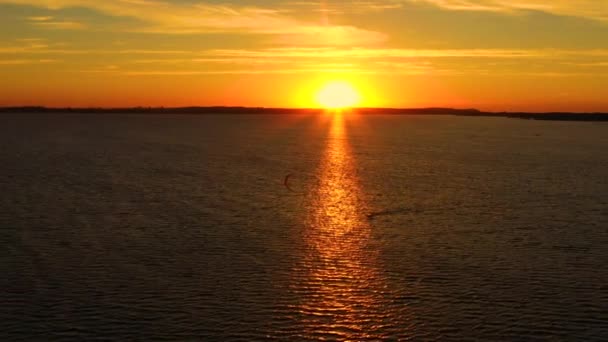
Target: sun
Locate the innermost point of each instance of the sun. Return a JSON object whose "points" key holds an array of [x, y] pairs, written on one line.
{"points": [[338, 95]]}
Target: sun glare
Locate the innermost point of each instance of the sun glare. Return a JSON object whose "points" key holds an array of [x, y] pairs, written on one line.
{"points": [[338, 95]]}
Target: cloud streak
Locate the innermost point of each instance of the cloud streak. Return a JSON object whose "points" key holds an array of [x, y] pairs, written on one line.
{"points": [[367, 53], [483, 62], [50, 22], [181, 18], [591, 9], [26, 61], [37, 46]]}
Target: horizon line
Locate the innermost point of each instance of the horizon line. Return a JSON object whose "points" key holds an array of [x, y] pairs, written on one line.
{"points": [[392, 110]]}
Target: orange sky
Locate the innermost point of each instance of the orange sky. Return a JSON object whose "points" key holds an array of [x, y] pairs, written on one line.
{"points": [[535, 55]]}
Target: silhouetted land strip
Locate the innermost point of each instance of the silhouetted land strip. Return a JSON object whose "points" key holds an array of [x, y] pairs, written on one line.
{"points": [[559, 116]]}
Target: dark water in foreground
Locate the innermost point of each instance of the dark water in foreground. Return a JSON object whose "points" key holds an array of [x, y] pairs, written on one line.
{"points": [[393, 228]]}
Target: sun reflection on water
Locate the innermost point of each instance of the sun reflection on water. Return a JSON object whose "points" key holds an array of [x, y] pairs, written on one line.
{"points": [[341, 289]]}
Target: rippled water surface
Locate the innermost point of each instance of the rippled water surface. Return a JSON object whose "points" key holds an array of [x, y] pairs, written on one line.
{"points": [[255, 228]]}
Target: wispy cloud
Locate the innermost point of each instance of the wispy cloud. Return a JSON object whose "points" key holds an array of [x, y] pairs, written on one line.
{"points": [[189, 18], [26, 61], [368, 61], [39, 18], [273, 71], [35, 46], [341, 7], [367, 53], [61, 25], [51, 22], [592, 9]]}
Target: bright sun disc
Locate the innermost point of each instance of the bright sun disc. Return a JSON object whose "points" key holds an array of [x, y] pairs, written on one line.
{"points": [[336, 95]]}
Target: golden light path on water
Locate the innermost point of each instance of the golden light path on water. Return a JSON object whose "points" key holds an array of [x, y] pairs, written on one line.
{"points": [[341, 290]]}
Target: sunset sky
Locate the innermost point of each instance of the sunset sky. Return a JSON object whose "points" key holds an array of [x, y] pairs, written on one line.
{"points": [[535, 55]]}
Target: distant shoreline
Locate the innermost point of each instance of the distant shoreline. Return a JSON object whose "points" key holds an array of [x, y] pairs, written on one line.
{"points": [[555, 116]]}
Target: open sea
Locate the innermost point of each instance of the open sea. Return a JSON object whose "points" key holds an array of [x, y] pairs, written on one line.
{"points": [[302, 228]]}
